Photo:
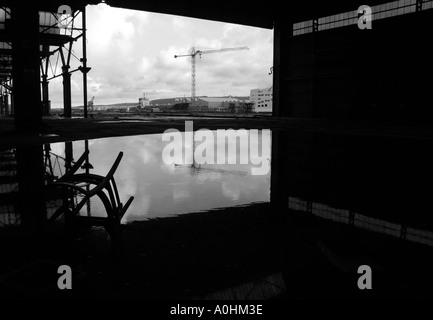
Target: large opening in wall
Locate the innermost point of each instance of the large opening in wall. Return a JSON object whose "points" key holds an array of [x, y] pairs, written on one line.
{"points": [[133, 66]]}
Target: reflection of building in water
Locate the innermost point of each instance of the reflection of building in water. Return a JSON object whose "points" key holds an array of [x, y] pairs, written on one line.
{"points": [[227, 151], [361, 221], [370, 183]]}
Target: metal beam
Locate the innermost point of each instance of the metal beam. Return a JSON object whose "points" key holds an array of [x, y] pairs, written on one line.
{"points": [[84, 60], [67, 100]]}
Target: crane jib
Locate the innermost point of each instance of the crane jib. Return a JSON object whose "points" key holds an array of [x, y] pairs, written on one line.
{"points": [[199, 52]]}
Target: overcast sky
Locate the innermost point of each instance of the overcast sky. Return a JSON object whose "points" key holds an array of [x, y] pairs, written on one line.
{"points": [[131, 52]]}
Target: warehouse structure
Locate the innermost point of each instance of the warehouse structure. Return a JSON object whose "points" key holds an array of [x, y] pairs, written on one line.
{"points": [[351, 86], [166, 103]]}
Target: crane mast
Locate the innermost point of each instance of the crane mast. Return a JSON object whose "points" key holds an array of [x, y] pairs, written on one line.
{"points": [[193, 56]]}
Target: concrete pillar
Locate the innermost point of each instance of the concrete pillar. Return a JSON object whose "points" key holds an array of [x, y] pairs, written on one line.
{"points": [[279, 172], [26, 68], [67, 101]]}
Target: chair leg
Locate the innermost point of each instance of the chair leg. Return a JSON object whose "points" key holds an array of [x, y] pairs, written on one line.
{"points": [[70, 223], [125, 207], [115, 230], [61, 210]]}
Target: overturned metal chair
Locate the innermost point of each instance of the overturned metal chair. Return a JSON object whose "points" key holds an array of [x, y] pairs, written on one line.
{"points": [[89, 185]]}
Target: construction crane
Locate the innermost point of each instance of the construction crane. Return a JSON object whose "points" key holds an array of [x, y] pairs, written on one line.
{"points": [[193, 56]]}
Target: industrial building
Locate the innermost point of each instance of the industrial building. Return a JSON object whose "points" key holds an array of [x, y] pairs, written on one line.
{"points": [[166, 102], [350, 139], [216, 104], [201, 103]]}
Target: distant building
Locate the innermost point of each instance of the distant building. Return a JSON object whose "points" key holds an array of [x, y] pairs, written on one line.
{"points": [[143, 102], [227, 104], [122, 107], [216, 104], [243, 106], [166, 103], [261, 99]]}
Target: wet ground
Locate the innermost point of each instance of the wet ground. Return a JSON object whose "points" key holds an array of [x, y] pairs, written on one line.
{"points": [[343, 195], [228, 254]]}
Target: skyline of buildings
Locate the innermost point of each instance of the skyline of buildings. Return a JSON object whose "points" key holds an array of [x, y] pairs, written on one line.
{"points": [[259, 100]]}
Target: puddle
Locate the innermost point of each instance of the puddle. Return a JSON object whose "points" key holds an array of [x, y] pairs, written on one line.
{"points": [[160, 189], [347, 179]]}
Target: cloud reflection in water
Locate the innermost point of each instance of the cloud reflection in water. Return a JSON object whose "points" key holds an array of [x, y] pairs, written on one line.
{"points": [[162, 190]]}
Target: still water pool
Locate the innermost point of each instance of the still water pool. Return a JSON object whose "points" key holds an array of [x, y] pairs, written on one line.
{"points": [[161, 189]]}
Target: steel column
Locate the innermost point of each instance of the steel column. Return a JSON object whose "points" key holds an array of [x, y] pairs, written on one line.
{"points": [[25, 68]]}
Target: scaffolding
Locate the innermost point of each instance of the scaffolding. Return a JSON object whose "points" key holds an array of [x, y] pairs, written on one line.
{"points": [[58, 31]]}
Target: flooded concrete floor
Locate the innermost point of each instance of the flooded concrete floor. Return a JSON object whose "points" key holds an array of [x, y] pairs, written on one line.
{"points": [[236, 252]]}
